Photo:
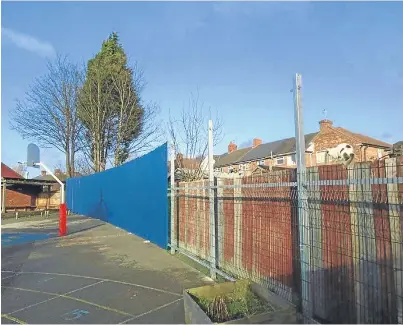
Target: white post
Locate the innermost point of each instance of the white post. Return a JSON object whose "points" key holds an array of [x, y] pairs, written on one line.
{"points": [[303, 217], [57, 179], [3, 198], [211, 194], [172, 199]]}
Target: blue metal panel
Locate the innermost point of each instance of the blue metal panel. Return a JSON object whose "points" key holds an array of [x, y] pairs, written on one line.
{"points": [[132, 196]]}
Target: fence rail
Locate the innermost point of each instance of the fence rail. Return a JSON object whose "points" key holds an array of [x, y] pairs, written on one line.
{"points": [[353, 236], [340, 182]]}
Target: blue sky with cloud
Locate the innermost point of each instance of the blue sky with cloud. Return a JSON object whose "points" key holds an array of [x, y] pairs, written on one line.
{"points": [[241, 58]]}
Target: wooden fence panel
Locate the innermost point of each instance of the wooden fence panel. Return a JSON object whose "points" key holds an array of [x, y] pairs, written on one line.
{"points": [[356, 234], [391, 169], [383, 246], [337, 248]]}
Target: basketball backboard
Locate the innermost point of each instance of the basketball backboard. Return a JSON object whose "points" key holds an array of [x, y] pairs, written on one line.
{"points": [[33, 155]]}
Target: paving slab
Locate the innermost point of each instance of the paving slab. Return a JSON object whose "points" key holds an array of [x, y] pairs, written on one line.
{"points": [[131, 299], [66, 311], [96, 274], [12, 300], [47, 283], [172, 315]]}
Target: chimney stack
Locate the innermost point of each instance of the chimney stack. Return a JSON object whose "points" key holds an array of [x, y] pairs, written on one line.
{"points": [[43, 172], [232, 147], [324, 124], [256, 142]]}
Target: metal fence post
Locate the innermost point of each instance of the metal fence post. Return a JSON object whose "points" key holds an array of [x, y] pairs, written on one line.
{"points": [[172, 193], [303, 222], [211, 199]]}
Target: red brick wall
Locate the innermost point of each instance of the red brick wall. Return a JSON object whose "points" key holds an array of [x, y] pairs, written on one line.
{"points": [[329, 138], [19, 199], [371, 154]]}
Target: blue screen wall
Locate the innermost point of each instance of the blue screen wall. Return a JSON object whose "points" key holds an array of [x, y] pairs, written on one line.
{"points": [[132, 196]]}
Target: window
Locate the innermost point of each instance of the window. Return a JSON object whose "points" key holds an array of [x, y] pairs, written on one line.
{"points": [[292, 160], [280, 161], [261, 162]]}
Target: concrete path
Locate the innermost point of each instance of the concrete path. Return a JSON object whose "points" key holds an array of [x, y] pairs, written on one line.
{"points": [[97, 274]]}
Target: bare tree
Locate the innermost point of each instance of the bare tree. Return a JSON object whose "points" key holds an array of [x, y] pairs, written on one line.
{"points": [[189, 136], [48, 114], [83, 166], [59, 166]]}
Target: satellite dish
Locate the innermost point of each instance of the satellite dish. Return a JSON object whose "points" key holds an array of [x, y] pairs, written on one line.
{"points": [[33, 155]]}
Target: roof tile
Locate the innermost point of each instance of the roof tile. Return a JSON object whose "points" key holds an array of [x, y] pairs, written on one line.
{"points": [[365, 139], [278, 147], [231, 158], [7, 172]]}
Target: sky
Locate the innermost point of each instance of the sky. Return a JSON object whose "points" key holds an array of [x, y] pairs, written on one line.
{"points": [[240, 57]]}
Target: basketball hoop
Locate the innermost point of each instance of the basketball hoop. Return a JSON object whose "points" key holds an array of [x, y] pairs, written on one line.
{"points": [[33, 160]]}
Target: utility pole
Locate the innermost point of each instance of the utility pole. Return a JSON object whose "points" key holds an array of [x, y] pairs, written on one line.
{"points": [[303, 222], [211, 195]]}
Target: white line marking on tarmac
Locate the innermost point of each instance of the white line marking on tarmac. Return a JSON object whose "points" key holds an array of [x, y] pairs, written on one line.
{"points": [[53, 298], [13, 319], [95, 278], [151, 311], [7, 277], [46, 280], [73, 298]]}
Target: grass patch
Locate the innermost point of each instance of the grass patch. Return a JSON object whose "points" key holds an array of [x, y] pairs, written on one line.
{"points": [[239, 303]]}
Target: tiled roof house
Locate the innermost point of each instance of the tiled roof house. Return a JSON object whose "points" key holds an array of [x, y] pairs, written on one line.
{"points": [[281, 153], [7, 172]]}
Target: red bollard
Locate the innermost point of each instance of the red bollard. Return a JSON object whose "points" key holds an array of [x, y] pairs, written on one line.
{"points": [[63, 220]]}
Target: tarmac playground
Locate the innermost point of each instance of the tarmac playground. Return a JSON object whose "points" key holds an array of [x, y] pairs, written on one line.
{"points": [[96, 274]]}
